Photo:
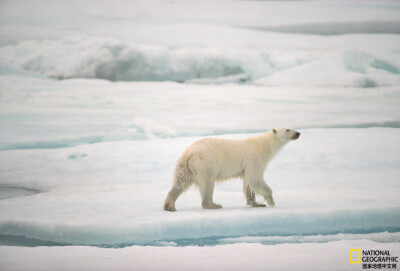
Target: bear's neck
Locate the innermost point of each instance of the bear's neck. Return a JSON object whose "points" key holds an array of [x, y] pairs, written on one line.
{"points": [[271, 146]]}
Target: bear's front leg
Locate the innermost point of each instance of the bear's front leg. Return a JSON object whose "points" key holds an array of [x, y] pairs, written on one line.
{"points": [[254, 178], [251, 197], [266, 192], [263, 189]]}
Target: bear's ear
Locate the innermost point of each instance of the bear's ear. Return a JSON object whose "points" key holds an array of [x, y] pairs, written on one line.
{"points": [[273, 130]]}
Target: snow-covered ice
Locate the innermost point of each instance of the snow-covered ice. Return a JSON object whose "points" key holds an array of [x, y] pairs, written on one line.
{"points": [[98, 100], [111, 194]]}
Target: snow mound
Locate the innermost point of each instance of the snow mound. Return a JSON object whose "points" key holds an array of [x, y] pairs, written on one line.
{"points": [[149, 129], [115, 60], [351, 68], [123, 61]]}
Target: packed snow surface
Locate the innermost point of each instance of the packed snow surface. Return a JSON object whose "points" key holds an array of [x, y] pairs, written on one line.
{"points": [[330, 256]]}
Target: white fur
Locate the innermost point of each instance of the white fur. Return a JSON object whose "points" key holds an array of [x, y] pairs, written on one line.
{"points": [[213, 160]]}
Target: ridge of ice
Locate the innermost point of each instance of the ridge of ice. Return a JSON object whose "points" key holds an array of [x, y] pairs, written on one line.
{"points": [[114, 60]]}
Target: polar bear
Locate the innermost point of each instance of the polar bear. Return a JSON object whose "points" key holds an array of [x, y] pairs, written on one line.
{"points": [[212, 160]]}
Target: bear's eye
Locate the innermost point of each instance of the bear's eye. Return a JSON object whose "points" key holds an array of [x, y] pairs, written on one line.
{"points": [[287, 130]]}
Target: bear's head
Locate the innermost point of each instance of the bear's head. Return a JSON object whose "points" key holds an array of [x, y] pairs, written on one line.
{"points": [[286, 134]]}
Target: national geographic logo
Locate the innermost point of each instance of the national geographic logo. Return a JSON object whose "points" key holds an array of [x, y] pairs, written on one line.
{"points": [[374, 259]]}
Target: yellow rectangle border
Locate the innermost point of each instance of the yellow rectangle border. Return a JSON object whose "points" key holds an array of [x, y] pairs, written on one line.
{"points": [[359, 255]]}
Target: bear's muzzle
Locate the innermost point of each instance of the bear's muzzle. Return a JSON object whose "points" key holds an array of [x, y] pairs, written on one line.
{"points": [[296, 136]]}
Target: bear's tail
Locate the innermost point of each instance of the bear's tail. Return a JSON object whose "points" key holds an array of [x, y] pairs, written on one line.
{"points": [[182, 180], [183, 174]]}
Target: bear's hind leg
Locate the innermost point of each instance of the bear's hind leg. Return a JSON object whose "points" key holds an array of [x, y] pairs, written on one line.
{"points": [[173, 194], [206, 192], [182, 181]]}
